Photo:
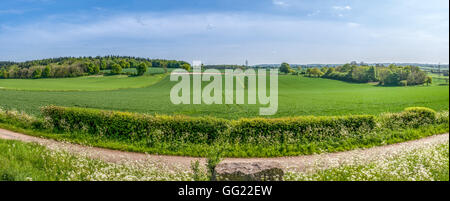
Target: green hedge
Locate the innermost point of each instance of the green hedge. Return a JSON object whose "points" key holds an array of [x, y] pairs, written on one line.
{"points": [[309, 127], [200, 129], [209, 129], [130, 125], [413, 117]]}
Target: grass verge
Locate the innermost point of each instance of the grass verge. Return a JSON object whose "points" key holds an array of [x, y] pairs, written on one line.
{"points": [[425, 164], [31, 162]]}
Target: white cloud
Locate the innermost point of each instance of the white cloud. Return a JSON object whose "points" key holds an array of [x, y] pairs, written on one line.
{"points": [[279, 3], [342, 8]]}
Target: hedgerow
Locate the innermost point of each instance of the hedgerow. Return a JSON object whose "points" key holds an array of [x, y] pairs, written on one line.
{"points": [[210, 129], [411, 117], [246, 137], [136, 126]]}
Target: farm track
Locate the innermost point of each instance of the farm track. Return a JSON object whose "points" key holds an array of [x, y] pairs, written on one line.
{"points": [[296, 163]]}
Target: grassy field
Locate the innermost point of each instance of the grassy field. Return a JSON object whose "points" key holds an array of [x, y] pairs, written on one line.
{"points": [[88, 83], [31, 162], [439, 79], [297, 96], [429, 164]]}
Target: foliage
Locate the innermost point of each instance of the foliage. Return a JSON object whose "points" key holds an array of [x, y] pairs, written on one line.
{"points": [[214, 158], [116, 69], [31, 162], [285, 68], [74, 67], [410, 117], [181, 143], [391, 76], [417, 164], [314, 72], [223, 66], [186, 67], [141, 68], [209, 129]]}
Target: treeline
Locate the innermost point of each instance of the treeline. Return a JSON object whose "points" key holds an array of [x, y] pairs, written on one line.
{"points": [[79, 66], [392, 75], [223, 66]]}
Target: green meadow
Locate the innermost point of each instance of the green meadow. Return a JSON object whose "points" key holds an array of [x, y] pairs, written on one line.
{"points": [[298, 96], [86, 83]]}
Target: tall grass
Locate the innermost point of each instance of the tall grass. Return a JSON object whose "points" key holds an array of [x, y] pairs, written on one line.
{"points": [[31, 162], [424, 164]]}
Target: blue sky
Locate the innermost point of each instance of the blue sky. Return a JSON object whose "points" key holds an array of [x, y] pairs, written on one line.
{"points": [[228, 31]]}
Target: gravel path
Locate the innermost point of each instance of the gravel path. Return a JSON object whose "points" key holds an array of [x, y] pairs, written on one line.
{"points": [[296, 163]]}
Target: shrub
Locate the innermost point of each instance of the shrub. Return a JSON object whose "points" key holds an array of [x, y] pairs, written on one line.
{"points": [[309, 127], [410, 117], [20, 119], [442, 117], [202, 129], [116, 69], [154, 129], [130, 125], [141, 69]]}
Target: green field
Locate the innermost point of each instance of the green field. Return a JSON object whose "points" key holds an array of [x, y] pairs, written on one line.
{"points": [[297, 96], [439, 79], [150, 70], [89, 83], [426, 164], [21, 161]]}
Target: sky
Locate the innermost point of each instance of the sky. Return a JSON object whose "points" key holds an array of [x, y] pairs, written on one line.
{"points": [[228, 31]]}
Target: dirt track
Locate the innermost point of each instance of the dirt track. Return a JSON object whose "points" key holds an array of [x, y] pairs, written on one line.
{"points": [[297, 163]]}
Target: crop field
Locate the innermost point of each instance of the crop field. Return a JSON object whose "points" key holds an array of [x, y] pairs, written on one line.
{"points": [[298, 96], [86, 83]]}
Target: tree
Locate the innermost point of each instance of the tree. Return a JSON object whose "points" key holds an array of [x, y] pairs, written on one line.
{"points": [[285, 68], [329, 71], [3, 74], [103, 65], [316, 72], [372, 74], [96, 69], [37, 73], [46, 72], [116, 69], [124, 64], [186, 67], [92, 69], [141, 68], [309, 72], [428, 80]]}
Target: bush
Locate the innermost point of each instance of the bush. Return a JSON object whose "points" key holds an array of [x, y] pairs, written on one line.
{"points": [[410, 117], [201, 129], [20, 119], [248, 137], [135, 126], [141, 69], [116, 69], [309, 127]]}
